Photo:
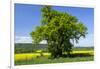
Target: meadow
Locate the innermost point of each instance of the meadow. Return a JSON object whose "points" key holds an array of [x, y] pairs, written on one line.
{"points": [[26, 54]]}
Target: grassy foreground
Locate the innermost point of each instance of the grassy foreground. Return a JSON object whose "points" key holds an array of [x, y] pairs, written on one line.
{"points": [[42, 58]]}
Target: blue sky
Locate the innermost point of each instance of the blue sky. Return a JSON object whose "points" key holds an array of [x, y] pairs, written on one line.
{"points": [[27, 17]]}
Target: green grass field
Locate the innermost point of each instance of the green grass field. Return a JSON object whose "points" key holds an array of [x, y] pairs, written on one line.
{"points": [[44, 60]]}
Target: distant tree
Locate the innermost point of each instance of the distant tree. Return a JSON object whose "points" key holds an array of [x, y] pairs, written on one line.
{"points": [[58, 29]]}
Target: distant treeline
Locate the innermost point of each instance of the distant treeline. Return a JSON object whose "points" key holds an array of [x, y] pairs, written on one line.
{"points": [[29, 47]]}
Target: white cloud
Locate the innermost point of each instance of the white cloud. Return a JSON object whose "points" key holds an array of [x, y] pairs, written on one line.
{"points": [[23, 39], [43, 42]]}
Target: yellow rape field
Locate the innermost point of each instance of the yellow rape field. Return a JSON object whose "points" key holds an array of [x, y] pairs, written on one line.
{"points": [[90, 52], [29, 56]]}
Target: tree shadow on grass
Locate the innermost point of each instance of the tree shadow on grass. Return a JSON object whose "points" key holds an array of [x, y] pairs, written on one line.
{"points": [[77, 55]]}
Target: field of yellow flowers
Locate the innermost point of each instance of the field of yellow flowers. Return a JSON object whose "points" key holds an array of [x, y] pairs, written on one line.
{"points": [[30, 56]]}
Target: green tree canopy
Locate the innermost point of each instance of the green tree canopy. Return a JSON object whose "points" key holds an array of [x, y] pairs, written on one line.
{"points": [[58, 29]]}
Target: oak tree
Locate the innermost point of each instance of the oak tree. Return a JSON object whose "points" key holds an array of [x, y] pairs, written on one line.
{"points": [[58, 29]]}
